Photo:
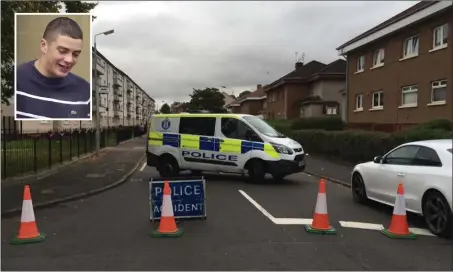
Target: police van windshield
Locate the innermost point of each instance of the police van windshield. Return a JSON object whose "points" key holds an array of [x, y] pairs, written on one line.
{"points": [[263, 127]]}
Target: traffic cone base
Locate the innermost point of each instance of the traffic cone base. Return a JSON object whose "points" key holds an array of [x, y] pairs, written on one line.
{"points": [[17, 241], [310, 229], [389, 234], [177, 233]]}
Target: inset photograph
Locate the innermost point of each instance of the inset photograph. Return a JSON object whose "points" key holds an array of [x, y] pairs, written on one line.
{"points": [[53, 59]]}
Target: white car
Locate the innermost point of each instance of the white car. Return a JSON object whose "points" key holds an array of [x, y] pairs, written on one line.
{"points": [[425, 169]]}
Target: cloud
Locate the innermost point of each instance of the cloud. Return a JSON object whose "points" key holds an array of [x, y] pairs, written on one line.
{"points": [[168, 48]]}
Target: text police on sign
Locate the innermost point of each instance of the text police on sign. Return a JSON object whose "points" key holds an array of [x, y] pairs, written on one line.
{"points": [[188, 198]]}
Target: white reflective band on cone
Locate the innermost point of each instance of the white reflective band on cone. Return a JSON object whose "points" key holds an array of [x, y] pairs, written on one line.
{"points": [[27, 212], [321, 204], [400, 205], [167, 207]]}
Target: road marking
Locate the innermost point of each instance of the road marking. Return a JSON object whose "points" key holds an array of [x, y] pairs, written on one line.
{"points": [[307, 221], [360, 225], [258, 206], [293, 221], [143, 167]]}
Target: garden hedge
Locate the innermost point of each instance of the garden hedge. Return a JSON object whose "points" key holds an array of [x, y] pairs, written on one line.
{"points": [[358, 146]]}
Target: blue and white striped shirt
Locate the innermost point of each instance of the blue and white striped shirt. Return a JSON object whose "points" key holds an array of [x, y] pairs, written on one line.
{"points": [[40, 97]]}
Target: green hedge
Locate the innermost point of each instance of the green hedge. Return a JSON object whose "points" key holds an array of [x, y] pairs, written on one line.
{"points": [[359, 146], [325, 123], [283, 126]]}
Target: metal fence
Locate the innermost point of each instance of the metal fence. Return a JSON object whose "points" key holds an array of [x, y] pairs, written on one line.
{"points": [[25, 153]]}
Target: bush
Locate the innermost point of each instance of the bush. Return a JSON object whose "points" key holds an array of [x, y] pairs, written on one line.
{"points": [[442, 124], [325, 123], [359, 146], [283, 126]]}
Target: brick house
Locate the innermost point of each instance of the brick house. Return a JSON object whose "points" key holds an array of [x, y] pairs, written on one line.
{"points": [[253, 103], [400, 72], [311, 90]]}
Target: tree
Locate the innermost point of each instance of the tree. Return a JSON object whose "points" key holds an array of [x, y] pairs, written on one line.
{"points": [[165, 109], [244, 93], [7, 53], [209, 99]]}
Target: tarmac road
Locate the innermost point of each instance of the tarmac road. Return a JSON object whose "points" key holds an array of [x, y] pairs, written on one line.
{"points": [[110, 231]]}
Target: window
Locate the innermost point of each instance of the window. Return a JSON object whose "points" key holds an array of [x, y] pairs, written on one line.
{"points": [[378, 57], [236, 129], [440, 36], [409, 96], [263, 127], [378, 100], [402, 156], [426, 157], [439, 91], [204, 126], [331, 111], [360, 63], [410, 48], [359, 102]]}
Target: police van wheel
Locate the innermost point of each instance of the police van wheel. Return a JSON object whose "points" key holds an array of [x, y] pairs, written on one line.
{"points": [[256, 171], [168, 167], [196, 172]]}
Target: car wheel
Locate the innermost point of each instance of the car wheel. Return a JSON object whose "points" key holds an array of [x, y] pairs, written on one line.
{"points": [[358, 189], [168, 167], [437, 214], [278, 177], [256, 171], [196, 172]]}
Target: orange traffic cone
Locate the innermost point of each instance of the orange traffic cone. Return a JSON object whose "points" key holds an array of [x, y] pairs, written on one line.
{"points": [[167, 226], [28, 230], [320, 223], [398, 226]]}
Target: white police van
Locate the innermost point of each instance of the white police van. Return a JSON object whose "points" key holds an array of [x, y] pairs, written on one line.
{"points": [[227, 143]]}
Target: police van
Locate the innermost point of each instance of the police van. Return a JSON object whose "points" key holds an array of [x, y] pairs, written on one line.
{"points": [[225, 143]]}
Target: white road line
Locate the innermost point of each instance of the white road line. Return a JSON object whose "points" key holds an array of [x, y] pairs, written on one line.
{"points": [[419, 231], [258, 206], [293, 221], [360, 225], [143, 167]]}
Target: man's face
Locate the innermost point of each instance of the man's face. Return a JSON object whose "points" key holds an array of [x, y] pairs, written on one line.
{"points": [[61, 54]]}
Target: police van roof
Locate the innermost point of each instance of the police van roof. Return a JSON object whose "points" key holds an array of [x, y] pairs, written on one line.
{"points": [[175, 115]]}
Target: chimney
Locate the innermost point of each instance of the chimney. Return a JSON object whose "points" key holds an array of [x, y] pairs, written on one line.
{"points": [[259, 86], [299, 65]]}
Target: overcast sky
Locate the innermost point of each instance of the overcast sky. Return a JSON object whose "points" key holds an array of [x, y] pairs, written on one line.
{"points": [[168, 48]]}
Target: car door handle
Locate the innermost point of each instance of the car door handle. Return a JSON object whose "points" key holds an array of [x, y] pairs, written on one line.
{"points": [[401, 175]]}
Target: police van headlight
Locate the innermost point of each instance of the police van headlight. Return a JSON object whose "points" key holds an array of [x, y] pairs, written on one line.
{"points": [[282, 149]]}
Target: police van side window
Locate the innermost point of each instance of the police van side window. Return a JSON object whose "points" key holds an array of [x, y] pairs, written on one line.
{"points": [[236, 129], [203, 126]]}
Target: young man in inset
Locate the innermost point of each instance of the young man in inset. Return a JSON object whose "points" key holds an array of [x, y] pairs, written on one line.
{"points": [[46, 88]]}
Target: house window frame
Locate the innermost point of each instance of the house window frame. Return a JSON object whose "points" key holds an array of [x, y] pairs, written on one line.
{"points": [[441, 84], [378, 57], [381, 100], [357, 98], [360, 63], [443, 31], [334, 110], [408, 90], [411, 54]]}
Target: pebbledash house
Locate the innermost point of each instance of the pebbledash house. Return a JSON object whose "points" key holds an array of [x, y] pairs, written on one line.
{"points": [[400, 72]]}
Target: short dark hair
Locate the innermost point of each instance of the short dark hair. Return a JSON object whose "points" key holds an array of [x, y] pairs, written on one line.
{"points": [[63, 26]]}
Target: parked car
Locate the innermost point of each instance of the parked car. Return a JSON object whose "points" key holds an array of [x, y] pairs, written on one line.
{"points": [[425, 168]]}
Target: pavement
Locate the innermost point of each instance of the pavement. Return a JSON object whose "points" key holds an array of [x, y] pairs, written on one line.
{"points": [[333, 170], [248, 227], [84, 176]]}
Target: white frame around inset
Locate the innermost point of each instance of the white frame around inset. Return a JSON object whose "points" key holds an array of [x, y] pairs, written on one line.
{"points": [[441, 28], [361, 102], [441, 84], [379, 58], [411, 54], [409, 90], [360, 63], [381, 103]]}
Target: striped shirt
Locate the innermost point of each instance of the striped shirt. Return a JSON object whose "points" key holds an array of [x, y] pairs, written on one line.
{"points": [[40, 97]]}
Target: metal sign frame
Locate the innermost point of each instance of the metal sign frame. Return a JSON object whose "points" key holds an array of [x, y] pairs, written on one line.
{"points": [[177, 180]]}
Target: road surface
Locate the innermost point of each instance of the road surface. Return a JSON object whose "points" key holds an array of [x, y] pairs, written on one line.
{"points": [[110, 231]]}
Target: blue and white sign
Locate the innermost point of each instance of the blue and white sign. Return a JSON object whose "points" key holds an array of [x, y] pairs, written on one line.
{"points": [[188, 198], [166, 124]]}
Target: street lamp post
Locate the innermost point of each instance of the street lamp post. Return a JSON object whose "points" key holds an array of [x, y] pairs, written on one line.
{"points": [[96, 91]]}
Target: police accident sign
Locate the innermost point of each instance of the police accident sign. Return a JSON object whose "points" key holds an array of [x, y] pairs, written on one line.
{"points": [[188, 198]]}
